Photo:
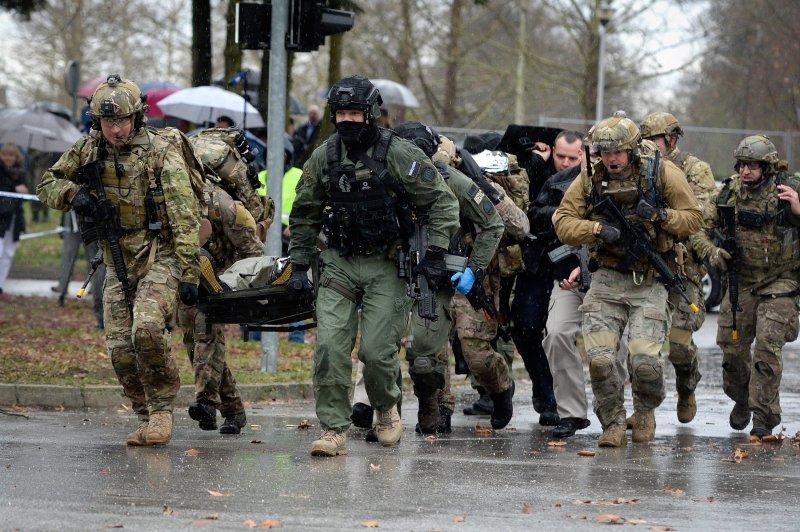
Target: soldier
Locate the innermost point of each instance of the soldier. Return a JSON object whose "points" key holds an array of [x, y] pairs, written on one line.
{"points": [[146, 175], [356, 187], [664, 130], [233, 236], [767, 211], [654, 197]]}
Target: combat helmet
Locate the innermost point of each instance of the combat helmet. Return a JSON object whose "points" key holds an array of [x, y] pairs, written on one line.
{"points": [[423, 136], [617, 133], [660, 123], [355, 92], [117, 98], [756, 148]]}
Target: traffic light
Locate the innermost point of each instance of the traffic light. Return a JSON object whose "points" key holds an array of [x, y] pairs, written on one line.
{"points": [[309, 23]]}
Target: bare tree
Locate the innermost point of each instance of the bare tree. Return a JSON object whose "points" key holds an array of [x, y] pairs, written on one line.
{"points": [[201, 42]]}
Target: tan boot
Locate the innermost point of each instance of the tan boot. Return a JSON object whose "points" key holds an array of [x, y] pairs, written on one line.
{"points": [[630, 421], [613, 436], [137, 437], [159, 430], [389, 427], [644, 430], [331, 443], [687, 408]]}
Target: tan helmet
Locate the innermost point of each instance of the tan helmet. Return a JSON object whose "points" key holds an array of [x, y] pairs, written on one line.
{"points": [[117, 98], [756, 148], [660, 123], [618, 133]]}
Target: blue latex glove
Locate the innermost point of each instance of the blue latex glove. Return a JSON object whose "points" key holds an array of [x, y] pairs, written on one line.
{"points": [[463, 281]]}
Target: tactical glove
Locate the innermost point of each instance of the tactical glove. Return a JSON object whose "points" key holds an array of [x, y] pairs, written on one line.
{"points": [[432, 266], [83, 203], [188, 293], [298, 282], [463, 281], [717, 258], [648, 212], [608, 233]]}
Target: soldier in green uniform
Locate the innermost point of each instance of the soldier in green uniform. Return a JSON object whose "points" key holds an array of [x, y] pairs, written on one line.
{"points": [[233, 236], [664, 130], [767, 211], [146, 174], [356, 187], [655, 196]]}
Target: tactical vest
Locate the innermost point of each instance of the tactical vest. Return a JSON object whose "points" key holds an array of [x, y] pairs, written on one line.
{"points": [[646, 182], [764, 227], [361, 217]]}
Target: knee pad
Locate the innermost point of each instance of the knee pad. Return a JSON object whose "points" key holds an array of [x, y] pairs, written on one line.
{"points": [[647, 369], [600, 367], [425, 375], [147, 339]]}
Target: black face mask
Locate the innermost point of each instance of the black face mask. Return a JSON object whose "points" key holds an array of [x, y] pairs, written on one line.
{"points": [[357, 134]]}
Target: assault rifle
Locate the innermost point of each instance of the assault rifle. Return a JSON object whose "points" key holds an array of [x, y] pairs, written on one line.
{"points": [[727, 215], [566, 258], [418, 287], [104, 224], [639, 247], [480, 300]]}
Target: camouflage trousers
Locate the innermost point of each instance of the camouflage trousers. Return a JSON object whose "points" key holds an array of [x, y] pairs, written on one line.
{"points": [[754, 378], [213, 380], [139, 345], [682, 349], [476, 333], [615, 300]]}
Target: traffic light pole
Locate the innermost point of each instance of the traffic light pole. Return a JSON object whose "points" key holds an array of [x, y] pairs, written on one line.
{"points": [[275, 131]]}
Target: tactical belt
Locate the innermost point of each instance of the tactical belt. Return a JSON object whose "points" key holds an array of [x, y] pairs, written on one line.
{"points": [[355, 297]]}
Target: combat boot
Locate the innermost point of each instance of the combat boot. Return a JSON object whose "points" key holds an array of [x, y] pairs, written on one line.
{"points": [[362, 415], [389, 427], [159, 429], [482, 407], [549, 416], [204, 413], [687, 407], [503, 407], [569, 426], [233, 424], [331, 443], [760, 432], [428, 415], [740, 416], [444, 420], [613, 436], [137, 437], [630, 421], [644, 430]]}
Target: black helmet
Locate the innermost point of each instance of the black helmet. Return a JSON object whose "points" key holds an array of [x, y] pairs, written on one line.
{"points": [[423, 136], [355, 92]]}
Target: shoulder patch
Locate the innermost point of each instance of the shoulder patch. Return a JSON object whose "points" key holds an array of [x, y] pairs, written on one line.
{"points": [[487, 206], [428, 174]]}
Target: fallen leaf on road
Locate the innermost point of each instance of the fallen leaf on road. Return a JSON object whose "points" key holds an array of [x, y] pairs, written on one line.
{"points": [[369, 524], [676, 492], [703, 499], [635, 521], [219, 494], [211, 517], [610, 518], [560, 443], [169, 511], [270, 523], [199, 522], [737, 456], [527, 508], [557, 505], [374, 467], [192, 452], [304, 425], [431, 438], [618, 500], [458, 519], [105, 472], [586, 452], [483, 431]]}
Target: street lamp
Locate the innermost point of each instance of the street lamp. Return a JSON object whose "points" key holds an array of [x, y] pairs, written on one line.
{"points": [[604, 14]]}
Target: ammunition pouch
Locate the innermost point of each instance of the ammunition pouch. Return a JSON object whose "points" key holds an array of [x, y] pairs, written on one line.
{"points": [[754, 219]]}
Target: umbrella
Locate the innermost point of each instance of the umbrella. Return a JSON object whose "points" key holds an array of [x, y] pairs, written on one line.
{"points": [[148, 86], [154, 96], [519, 137], [394, 93], [205, 103], [52, 107], [87, 88], [253, 82], [38, 130]]}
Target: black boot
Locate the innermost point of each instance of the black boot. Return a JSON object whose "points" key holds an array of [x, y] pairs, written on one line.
{"points": [[233, 424], [428, 415], [549, 415], [362, 415], [503, 407], [483, 406], [204, 413], [569, 426], [444, 420]]}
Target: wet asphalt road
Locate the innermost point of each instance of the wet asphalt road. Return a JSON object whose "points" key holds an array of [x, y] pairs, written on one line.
{"points": [[72, 471]]}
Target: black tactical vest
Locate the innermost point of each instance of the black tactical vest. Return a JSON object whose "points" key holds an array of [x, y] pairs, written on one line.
{"points": [[361, 217]]}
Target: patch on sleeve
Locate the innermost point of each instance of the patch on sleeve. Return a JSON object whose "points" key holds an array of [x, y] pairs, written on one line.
{"points": [[476, 194], [487, 206], [428, 174], [413, 169]]}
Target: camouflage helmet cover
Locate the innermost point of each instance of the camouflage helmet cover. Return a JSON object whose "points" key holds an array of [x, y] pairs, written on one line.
{"points": [[618, 133], [117, 98], [660, 123], [355, 92], [756, 148]]}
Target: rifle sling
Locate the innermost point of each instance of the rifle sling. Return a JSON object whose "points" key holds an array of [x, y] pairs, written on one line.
{"points": [[327, 282]]}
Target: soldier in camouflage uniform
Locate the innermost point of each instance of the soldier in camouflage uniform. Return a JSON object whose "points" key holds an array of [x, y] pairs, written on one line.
{"points": [[233, 236], [767, 211], [654, 195], [355, 187], [664, 130], [140, 167]]}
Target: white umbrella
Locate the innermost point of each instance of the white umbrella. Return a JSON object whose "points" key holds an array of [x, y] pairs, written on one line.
{"points": [[394, 93], [38, 130], [206, 103]]}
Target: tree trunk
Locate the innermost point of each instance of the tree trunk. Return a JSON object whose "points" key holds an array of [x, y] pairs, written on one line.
{"points": [[451, 65], [201, 42], [233, 54]]}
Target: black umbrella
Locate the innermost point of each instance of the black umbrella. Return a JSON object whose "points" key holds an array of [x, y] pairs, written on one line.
{"points": [[519, 138]]}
